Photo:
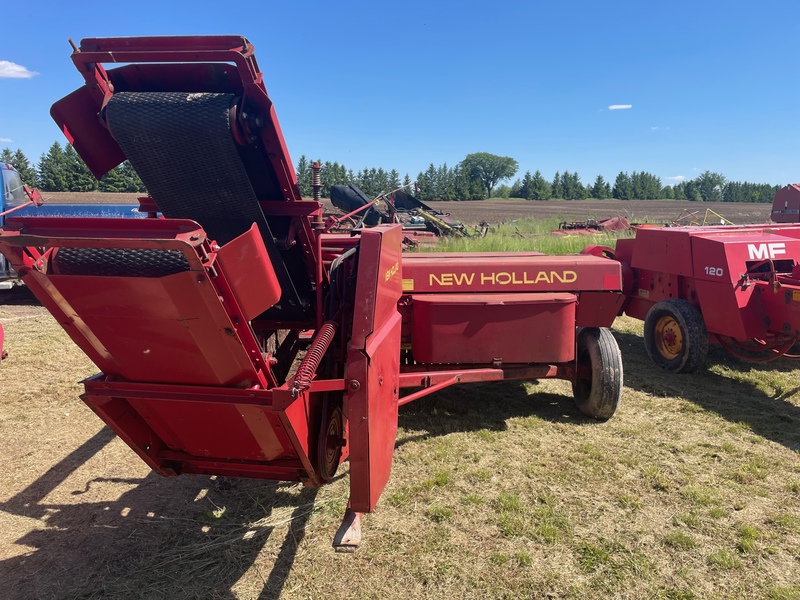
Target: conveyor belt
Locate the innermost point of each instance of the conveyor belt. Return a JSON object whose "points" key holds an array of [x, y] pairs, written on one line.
{"points": [[181, 146], [119, 262]]}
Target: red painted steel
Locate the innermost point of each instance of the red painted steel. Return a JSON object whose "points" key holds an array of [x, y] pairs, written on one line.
{"points": [[493, 328], [744, 279], [786, 204], [166, 63], [249, 273], [508, 272], [373, 365]]}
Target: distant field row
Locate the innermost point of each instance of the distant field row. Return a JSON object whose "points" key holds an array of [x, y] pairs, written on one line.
{"points": [[497, 211]]}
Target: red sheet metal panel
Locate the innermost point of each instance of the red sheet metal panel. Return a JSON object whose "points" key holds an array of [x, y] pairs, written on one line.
{"points": [[514, 272], [487, 328], [786, 204], [169, 329], [667, 250], [198, 429], [373, 366], [249, 272], [782, 304]]}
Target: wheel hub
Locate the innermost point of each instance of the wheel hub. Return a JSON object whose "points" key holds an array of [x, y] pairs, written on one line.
{"points": [[668, 338]]}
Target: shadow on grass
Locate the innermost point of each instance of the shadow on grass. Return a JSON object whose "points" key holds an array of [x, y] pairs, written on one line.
{"points": [[773, 417], [18, 296], [474, 407], [179, 537]]}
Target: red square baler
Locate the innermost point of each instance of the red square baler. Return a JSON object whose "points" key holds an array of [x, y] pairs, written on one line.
{"points": [[234, 335]]}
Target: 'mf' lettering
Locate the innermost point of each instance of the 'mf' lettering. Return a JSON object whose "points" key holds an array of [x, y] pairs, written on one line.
{"points": [[769, 250]]}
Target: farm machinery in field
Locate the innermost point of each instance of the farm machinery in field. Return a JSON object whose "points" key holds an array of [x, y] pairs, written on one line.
{"points": [[234, 335], [737, 286], [421, 223]]}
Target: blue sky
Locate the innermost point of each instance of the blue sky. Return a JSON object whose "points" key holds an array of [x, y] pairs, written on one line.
{"points": [[707, 84]]}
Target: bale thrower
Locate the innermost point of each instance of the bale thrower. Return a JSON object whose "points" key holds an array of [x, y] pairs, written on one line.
{"points": [[234, 336]]}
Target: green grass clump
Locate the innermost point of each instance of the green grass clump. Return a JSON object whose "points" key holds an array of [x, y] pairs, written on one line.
{"points": [[724, 559], [680, 540], [527, 235]]}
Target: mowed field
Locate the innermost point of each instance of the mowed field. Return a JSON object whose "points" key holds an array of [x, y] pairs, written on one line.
{"points": [[692, 490]]}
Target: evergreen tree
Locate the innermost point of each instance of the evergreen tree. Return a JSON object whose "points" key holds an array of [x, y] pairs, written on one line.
{"points": [[516, 189], [394, 179], [526, 187], [132, 181], [573, 188], [52, 171], [557, 189], [122, 178], [541, 187], [23, 166], [599, 188], [622, 187], [79, 178], [114, 181], [304, 177]]}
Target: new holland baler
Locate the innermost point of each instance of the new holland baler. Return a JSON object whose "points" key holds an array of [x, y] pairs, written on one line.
{"points": [[236, 337]]}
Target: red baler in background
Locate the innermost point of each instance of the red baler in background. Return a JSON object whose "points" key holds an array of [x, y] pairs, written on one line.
{"points": [[738, 286], [234, 335]]}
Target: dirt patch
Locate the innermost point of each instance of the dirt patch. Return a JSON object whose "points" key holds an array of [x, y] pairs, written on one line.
{"points": [[650, 211]]}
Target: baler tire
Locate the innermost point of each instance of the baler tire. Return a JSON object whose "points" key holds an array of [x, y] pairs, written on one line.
{"points": [[686, 348], [329, 448], [599, 395]]}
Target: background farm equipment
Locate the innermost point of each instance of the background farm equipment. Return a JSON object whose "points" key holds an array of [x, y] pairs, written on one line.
{"points": [[737, 286], [20, 200], [236, 336], [593, 226], [420, 222]]}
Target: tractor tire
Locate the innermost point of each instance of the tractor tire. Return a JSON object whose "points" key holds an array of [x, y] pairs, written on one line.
{"points": [[675, 336], [597, 355]]}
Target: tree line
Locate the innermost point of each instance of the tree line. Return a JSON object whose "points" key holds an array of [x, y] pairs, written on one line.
{"points": [[61, 169], [476, 177]]}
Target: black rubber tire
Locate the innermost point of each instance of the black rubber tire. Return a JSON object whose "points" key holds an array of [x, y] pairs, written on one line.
{"points": [[682, 353], [598, 396], [329, 452]]}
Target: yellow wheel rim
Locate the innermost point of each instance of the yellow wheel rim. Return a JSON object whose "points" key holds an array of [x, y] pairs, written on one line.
{"points": [[668, 338]]}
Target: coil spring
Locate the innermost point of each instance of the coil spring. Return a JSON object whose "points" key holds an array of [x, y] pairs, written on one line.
{"points": [[310, 363], [316, 182]]}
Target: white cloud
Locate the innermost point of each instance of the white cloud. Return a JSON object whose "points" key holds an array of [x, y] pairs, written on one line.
{"points": [[676, 179], [10, 70], [620, 106], [6, 140]]}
